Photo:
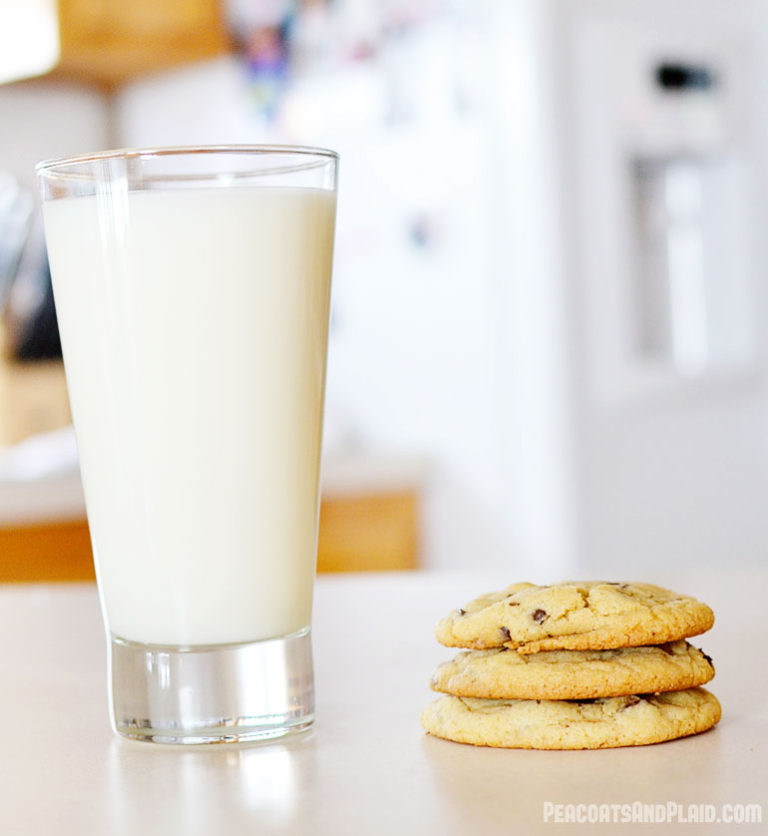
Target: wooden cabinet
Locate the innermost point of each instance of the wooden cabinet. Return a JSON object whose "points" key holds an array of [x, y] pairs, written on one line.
{"points": [[367, 533], [54, 551], [110, 42]]}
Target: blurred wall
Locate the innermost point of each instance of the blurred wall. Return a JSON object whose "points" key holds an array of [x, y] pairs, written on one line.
{"points": [[39, 120], [484, 277], [485, 308]]}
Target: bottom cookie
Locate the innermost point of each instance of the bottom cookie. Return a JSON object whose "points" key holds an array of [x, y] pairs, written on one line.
{"points": [[565, 724]]}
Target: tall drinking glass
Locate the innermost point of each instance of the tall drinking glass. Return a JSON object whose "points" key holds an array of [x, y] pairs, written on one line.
{"points": [[192, 288]]}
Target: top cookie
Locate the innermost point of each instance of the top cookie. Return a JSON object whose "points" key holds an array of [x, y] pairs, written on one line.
{"points": [[575, 615]]}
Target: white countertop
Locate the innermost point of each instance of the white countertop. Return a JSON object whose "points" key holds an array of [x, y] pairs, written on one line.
{"points": [[367, 768]]}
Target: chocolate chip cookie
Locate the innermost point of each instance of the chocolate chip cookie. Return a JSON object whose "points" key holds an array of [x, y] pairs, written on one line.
{"points": [[584, 724], [501, 673], [589, 615]]}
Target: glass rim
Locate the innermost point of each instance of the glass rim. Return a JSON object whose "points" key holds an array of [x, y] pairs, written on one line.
{"points": [[55, 164]]}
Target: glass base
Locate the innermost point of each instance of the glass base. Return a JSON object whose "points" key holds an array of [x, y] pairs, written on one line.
{"points": [[235, 693]]}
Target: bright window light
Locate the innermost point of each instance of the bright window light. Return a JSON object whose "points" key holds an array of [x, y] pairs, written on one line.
{"points": [[29, 38]]}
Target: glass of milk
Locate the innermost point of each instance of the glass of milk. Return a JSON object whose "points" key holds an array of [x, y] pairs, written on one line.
{"points": [[192, 289]]}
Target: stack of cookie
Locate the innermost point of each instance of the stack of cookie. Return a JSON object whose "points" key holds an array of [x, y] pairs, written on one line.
{"points": [[574, 665]]}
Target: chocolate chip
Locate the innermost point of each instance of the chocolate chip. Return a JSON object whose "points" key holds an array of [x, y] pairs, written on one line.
{"points": [[514, 603], [708, 658], [539, 616], [667, 649], [505, 634], [462, 612]]}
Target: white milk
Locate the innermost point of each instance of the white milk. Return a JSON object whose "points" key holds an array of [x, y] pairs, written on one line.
{"points": [[194, 334]]}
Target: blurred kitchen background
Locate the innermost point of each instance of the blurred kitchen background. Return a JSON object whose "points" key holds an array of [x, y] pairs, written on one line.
{"points": [[548, 339]]}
